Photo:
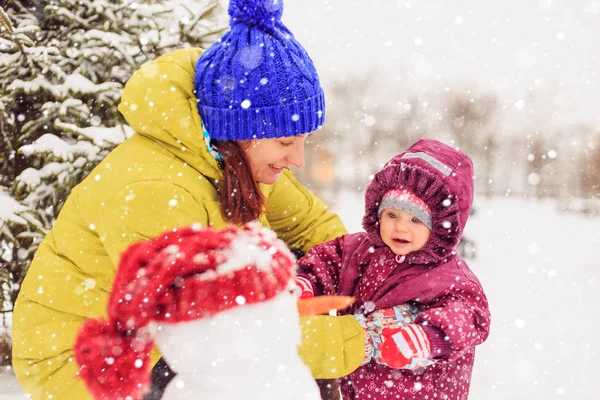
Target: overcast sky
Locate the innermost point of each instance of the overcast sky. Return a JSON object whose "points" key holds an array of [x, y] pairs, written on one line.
{"points": [[513, 47]]}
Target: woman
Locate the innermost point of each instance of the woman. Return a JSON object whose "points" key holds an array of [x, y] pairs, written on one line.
{"points": [[215, 134]]}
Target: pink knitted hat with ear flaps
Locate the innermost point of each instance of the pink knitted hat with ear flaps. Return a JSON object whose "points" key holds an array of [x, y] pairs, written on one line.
{"points": [[182, 275], [405, 200]]}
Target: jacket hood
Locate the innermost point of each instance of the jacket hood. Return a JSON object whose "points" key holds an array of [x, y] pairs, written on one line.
{"points": [[158, 102], [441, 176]]}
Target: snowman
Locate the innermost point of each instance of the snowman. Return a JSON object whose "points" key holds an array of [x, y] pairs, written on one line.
{"points": [[219, 306]]}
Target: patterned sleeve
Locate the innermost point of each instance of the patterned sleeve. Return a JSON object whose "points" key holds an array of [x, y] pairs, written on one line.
{"points": [[321, 266]]}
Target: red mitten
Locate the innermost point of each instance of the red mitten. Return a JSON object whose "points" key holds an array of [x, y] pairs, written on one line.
{"points": [[305, 287], [406, 348]]}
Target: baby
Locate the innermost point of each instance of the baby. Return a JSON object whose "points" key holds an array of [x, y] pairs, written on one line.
{"points": [[422, 309]]}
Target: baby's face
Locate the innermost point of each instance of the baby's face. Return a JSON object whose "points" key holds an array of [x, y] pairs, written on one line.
{"points": [[402, 232]]}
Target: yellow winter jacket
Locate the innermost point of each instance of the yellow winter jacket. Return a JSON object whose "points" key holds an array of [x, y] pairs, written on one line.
{"points": [[161, 178]]}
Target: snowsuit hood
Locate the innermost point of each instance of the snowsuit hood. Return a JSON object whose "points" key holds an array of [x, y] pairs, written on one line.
{"points": [[441, 176]]}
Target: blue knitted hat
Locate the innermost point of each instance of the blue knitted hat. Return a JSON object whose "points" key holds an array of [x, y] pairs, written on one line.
{"points": [[257, 81]]}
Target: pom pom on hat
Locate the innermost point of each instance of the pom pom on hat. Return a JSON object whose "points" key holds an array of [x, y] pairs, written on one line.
{"points": [[259, 13], [182, 275], [114, 365]]}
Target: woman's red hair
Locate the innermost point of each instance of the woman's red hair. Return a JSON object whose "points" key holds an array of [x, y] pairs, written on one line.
{"points": [[239, 194]]}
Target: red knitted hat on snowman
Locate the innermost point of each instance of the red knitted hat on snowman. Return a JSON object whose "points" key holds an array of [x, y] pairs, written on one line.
{"points": [[182, 275]]}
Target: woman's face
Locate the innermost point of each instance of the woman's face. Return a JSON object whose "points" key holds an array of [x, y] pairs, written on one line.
{"points": [[269, 157]]}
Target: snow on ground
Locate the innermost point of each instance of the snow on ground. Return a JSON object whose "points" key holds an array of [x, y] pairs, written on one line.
{"points": [[9, 387], [540, 271]]}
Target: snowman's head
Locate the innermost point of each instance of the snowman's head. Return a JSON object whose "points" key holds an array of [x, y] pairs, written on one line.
{"points": [[184, 275]]}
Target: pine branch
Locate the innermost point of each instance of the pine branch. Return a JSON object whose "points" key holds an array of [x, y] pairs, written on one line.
{"points": [[208, 12], [69, 30], [62, 12], [6, 24]]}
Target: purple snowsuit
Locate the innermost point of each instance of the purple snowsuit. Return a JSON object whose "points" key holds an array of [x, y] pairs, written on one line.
{"points": [[435, 278]]}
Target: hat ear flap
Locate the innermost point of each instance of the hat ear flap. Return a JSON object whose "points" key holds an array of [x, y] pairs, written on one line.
{"points": [[113, 364]]}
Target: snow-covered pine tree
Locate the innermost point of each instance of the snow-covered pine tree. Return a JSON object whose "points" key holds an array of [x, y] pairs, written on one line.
{"points": [[20, 225], [62, 70]]}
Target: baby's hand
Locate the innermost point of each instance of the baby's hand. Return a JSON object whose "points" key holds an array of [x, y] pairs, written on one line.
{"points": [[404, 348], [392, 318]]}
